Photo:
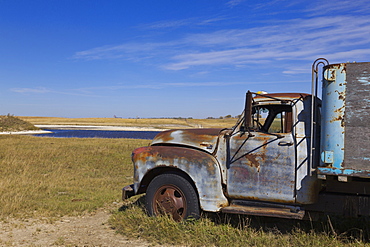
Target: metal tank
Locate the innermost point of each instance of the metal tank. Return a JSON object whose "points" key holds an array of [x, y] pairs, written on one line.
{"points": [[345, 122]]}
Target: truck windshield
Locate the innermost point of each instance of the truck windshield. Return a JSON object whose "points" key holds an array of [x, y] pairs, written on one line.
{"points": [[272, 118]]}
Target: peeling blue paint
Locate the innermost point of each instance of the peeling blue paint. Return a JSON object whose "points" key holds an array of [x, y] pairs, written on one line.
{"points": [[345, 118]]}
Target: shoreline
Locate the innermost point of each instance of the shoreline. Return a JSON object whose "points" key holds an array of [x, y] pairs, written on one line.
{"points": [[98, 127], [79, 127], [26, 132]]}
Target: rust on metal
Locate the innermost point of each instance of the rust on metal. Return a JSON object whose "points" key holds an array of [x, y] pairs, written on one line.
{"points": [[254, 160], [345, 127], [205, 139], [273, 167], [288, 96], [202, 168], [264, 211]]}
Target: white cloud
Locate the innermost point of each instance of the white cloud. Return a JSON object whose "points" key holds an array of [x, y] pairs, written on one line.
{"points": [[168, 24], [233, 3], [295, 71], [341, 6], [188, 22], [294, 40], [43, 90], [217, 84], [38, 90], [356, 55], [336, 37], [132, 51]]}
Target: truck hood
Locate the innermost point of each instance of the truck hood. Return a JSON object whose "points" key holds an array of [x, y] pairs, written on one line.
{"points": [[205, 139]]}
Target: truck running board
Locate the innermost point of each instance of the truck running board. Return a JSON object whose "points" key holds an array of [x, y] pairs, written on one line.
{"points": [[264, 209]]}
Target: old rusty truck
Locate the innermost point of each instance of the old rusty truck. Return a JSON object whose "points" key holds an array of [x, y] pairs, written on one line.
{"points": [[290, 155]]}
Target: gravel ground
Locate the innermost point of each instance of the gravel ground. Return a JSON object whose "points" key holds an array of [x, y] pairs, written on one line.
{"points": [[88, 230]]}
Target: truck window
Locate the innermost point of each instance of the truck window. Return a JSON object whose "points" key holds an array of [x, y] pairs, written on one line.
{"points": [[272, 118]]}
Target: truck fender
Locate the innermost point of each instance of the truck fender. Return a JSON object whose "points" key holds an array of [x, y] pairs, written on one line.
{"points": [[202, 168]]}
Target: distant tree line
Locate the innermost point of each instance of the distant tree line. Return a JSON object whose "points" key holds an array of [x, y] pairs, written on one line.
{"points": [[223, 117]]}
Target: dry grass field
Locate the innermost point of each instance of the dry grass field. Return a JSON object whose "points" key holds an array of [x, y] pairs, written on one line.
{"points": [[62, 176], [49, 179], [160, 123]]}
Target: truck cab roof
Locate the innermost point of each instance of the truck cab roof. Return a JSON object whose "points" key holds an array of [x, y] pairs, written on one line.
{"points": [[283, 96]]}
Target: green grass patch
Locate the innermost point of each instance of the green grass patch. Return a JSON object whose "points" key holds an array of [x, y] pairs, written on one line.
{"points": [[10, 123]]}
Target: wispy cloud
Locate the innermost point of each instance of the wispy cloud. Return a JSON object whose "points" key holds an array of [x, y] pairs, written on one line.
{"points": [[233, 3], [102, 91], [130, 51], [300, 39], [168, 24], [304, 39], [295, 71], [38, 90], [43, 90], [219, 84], [342, 6], [188, 22]]}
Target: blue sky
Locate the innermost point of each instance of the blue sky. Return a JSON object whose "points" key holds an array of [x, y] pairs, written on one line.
{"points": [[167, 58]]}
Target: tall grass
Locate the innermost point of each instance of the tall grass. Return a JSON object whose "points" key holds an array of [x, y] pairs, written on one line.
{"points": [[57, 176], [235, 230]]}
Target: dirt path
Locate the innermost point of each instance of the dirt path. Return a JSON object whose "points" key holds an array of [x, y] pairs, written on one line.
{"points": [[87, 230]]}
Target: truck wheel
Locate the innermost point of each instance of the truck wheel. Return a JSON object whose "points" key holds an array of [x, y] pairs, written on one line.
{"points": [[171, 194]]}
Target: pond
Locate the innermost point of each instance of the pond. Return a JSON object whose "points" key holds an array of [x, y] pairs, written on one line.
{"points": [[62, 133]]}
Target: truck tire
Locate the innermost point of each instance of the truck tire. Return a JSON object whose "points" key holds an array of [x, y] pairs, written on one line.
{"points": [[173, 195]]}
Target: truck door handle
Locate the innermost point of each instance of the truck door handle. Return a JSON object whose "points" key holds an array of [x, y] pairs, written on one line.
{"points": [[285, 143]]}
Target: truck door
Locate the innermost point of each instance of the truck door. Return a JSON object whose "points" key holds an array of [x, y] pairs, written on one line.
{"points": [[261, 165]]}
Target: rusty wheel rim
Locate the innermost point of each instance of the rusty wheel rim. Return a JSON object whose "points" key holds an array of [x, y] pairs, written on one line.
{"points": [[170, 200]]}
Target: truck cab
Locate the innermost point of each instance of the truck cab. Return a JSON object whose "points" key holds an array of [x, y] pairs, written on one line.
{"points": [[263, 164], [269, 160]]}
